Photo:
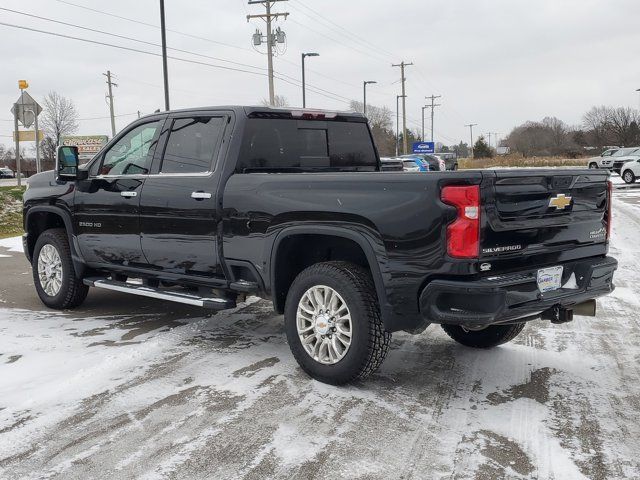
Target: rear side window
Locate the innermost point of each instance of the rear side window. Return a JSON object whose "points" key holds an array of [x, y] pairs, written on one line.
{"points": [[192, 145], [306, 145]]}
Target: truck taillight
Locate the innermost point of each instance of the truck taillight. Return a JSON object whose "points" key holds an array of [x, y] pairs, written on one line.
{"points": [[463, 235], [609, 203]]}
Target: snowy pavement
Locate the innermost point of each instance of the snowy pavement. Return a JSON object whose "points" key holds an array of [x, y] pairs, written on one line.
{"points": [[184, 394]]}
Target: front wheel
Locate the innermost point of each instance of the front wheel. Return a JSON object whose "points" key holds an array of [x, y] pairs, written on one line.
{"points": [[628, 176], [593, 165], [53, 273], [333, 324], [487, 337]]}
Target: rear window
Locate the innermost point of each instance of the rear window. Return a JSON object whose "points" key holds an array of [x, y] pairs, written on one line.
{"points": [[306, 145]]}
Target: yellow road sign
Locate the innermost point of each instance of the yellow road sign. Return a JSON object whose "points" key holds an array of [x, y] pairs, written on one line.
{"points": [[28, 135], [22, 84]]}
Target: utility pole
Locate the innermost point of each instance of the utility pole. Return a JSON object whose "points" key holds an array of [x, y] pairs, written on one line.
{"points": [[426, 106], [488, 134], [364, 98], [304, 93], [17, 134], [471, 125], [433, 106], [404, 104], [398, 97], [165, 71], [267, 17], [110, 84]]}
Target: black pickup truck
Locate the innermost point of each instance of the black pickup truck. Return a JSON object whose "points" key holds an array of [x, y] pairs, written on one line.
{"points": [[206, 206]]}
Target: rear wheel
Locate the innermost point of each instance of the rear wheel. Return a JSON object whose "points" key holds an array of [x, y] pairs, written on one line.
{"points": [[487, 337], [593, 165], [628, 176], [333, 323], [53, 273]]}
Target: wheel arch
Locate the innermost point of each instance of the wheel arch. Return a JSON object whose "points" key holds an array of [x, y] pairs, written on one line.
{"points": [[338, 241], [45, 217]]}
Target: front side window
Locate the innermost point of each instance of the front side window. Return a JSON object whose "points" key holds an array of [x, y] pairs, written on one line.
{"points": [[192, 145], [132, 154]]}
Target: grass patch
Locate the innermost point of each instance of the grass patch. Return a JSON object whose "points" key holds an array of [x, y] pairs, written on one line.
{"points": [[11, 211], [518, 161]]}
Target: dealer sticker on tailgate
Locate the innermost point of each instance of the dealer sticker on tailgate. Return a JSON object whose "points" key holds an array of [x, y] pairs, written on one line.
{"points": [[549, 279]]}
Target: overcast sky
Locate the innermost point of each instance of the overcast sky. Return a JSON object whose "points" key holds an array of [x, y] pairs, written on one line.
{"points": [[496, 63]]}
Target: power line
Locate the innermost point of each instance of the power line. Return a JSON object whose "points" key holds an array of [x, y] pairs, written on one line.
{"points": [[352, 38], [327, 94], [124, 37], [152, 25]]}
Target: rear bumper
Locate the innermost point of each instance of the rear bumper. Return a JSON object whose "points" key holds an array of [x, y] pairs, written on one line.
{"points": [[504, 298]]}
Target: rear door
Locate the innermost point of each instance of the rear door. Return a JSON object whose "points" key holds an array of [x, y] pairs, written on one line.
{"points": [[178, 207], [558, 214]]}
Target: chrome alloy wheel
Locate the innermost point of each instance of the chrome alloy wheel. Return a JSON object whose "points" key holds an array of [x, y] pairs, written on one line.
{"points": [[50, 270], [324, 324]]}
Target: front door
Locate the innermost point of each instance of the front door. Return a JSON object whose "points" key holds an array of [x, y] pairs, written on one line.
{"points": [[107, 203], [178, 214]]}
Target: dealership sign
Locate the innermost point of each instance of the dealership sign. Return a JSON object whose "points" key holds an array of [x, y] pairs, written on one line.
{"points": [[88, 145], [423, 147]]}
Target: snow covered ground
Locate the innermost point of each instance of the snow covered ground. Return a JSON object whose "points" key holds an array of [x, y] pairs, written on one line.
{"points": [[219, 396]]}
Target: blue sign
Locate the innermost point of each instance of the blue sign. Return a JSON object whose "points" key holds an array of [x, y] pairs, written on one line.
{"points": [[423, 147]]}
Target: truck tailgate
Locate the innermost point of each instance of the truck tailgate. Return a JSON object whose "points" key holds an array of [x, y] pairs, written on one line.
{"points": [[529, 212]]}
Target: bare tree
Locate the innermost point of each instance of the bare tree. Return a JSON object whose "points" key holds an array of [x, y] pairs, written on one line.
{"points": [[621, 125], [279, 101], [59, 116], [380, 121]]}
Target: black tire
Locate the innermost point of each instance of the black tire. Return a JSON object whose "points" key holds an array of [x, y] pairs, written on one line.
{"points": [[628, 176], [455, 167], [72, 291], [369, 340], [593, 165], [489, 337]]}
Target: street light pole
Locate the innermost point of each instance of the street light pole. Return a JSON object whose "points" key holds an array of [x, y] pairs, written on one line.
{"points": [[165, 73], [638, 90], [304, 93], [364, 99]]}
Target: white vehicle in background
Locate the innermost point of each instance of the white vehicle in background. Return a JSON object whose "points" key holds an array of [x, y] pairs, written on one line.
{"points": [[604, 160], [630, 171], [623, 156]]}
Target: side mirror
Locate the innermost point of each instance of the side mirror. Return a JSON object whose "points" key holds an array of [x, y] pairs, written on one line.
{"points": [[67, 162]]}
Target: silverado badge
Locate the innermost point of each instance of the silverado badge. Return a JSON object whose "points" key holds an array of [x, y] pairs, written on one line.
{"points": [[560, 201]]}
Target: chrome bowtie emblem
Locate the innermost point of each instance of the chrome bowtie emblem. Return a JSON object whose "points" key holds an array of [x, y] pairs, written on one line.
{"points": [[560, 201]]}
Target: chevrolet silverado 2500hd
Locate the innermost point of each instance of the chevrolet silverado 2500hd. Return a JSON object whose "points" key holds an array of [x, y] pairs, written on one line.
{"points": [[205, 206]]}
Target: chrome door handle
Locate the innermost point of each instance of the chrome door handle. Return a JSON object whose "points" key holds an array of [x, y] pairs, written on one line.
{"points": [[128, 194], [200, 195]]}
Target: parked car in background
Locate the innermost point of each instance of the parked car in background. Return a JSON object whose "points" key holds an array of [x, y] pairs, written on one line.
{"points": [[391, 164], [450, 160], [630, 171], [435, 163], [623, 156], [6, 173], [414, 164], [603, 160]]}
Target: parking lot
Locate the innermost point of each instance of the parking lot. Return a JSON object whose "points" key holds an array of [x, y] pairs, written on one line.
{"points": [[127, 387]]}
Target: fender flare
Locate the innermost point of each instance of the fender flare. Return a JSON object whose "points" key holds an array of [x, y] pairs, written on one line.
{"points": [[76, 258], [360, 239]]}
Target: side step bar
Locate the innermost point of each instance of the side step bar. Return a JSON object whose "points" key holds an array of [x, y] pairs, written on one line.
{"points": [[213, 303]]}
